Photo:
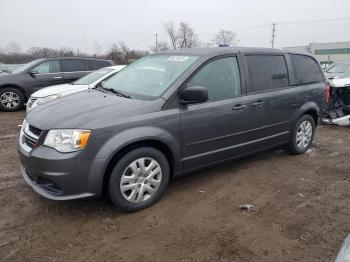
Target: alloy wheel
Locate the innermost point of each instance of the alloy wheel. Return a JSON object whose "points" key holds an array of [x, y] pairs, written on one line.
{"points": [[304, 135], [9, 100]]}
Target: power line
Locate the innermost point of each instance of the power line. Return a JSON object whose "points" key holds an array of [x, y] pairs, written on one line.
{"points": [[315, 21]]}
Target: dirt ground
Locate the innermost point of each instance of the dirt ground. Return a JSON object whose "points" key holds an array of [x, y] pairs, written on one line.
{"points": [[303, 210]]}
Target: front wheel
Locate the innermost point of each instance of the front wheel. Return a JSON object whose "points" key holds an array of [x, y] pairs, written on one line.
{"points": [[302, 135], [139, 179], [11, 99]]}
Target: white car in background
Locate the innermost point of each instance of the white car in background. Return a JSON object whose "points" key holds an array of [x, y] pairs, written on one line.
{"points": [[89, 81]]}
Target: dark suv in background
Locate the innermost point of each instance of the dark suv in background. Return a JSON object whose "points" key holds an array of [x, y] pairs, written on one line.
{"points": [[17, 87], [169, 114]]}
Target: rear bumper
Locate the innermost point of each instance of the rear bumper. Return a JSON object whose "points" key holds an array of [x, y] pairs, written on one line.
{"points": [[341, 121]]}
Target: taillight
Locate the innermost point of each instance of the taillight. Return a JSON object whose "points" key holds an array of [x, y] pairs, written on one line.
{"points": [[328, 92]]}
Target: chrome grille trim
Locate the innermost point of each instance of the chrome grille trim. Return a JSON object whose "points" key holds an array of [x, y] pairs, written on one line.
{"points": [[31, 101]]}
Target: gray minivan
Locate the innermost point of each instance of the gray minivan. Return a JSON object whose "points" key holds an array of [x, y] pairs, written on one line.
{"points": [[169, 114]]}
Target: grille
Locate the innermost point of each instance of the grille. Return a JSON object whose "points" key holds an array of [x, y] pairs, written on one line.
{"points": [[31, 101], [36, 131]]}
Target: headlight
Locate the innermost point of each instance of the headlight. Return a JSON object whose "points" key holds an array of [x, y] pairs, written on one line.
{"points": [[44, 100], [67, 140]]}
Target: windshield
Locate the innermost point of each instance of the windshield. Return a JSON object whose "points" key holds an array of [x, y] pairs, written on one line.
{"points": [[92, 77], [24, 67], [337, 69], [150, 76], [346, 74]]}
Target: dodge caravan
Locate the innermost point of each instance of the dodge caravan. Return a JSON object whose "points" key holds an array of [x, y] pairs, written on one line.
{"points": [[169, 114]]}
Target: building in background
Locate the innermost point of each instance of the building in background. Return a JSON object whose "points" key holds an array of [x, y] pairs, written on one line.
{"points": [[326, 53]]}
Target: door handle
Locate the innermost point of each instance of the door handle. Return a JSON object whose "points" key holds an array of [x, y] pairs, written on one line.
{"points": [[258, 104], [57, 77], [239, 107]]}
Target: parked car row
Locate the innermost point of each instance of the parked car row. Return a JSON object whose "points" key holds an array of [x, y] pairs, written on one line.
{"points": [[89, 81], [16, 88], [169, 114]]}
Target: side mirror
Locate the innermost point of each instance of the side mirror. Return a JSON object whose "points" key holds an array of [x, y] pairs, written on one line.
{"points": [[193, 94], [32, 73]]}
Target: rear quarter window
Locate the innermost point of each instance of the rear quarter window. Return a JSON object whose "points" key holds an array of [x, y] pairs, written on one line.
{"points": [[306, 70], [266, 72], [94, 65], [73, 65]]}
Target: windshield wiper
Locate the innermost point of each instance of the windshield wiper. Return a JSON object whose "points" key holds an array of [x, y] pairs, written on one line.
{"points": [[118, 93]]}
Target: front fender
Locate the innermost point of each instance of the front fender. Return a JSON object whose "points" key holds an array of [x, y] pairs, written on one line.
{"points": [[136, 134]]}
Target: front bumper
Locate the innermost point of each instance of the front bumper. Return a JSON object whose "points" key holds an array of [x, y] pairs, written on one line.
{"points": [[59, 176], [45, 191]]}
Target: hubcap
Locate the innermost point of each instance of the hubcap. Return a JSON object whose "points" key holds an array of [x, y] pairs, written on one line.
{"points": [[141, 180], [304, 135], [9, 99]]}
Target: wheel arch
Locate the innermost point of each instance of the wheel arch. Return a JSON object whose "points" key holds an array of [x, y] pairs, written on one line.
{"points": [[21, 89], [310, 108], [150, 142]]}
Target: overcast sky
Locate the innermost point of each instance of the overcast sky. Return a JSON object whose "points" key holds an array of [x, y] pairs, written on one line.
{"points": [[57, 23]]}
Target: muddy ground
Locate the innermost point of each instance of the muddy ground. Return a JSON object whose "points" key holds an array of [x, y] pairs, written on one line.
{"points": [[303, 211]]}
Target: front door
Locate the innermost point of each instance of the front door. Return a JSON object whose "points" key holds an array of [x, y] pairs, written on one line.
{"points": [[214, 130], [45, 74]]}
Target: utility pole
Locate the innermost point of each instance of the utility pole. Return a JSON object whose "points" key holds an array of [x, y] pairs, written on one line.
{"points": [[273, 34], [156, 42]]}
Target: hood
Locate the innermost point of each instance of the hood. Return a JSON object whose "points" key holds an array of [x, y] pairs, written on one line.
{"points": [[8, 78], [58, 89], [340, 82], [88, 109], [331, 75]]}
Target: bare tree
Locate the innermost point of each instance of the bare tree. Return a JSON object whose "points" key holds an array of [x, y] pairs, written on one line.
{"points": [[226, 38], [97, 48], [121, 54], [161, 46], [172, 32], [13, 48], [185, 36]]}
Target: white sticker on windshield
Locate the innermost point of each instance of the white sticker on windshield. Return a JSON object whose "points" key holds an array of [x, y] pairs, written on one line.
{"points": [[178, 58]]}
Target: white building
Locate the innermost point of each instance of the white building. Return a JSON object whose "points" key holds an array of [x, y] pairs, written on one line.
{"points": [[326, 53]]}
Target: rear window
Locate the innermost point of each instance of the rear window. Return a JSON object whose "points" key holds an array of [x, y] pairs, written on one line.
{"points": [[73, 65], [94, 65], [266, 72], [306, 69]]}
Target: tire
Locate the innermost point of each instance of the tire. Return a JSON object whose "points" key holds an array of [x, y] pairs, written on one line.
{"points": [[11, 99], [301, 139], [139, 185]]}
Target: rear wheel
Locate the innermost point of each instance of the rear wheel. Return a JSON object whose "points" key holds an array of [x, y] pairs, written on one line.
{"points": [[139, 179], [303, 135], [11, 99]]}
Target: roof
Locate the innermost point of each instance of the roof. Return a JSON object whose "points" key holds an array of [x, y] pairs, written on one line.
{"points": [[75, 57], [224, 50]]}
